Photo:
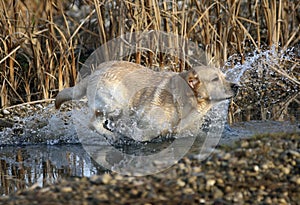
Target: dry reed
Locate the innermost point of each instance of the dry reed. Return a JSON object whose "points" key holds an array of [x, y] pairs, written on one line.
{"points": [[43, 43]]}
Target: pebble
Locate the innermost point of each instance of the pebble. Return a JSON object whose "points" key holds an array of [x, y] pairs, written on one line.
{"points": [[296, 179], [218, 193], [67, 189], [245, 144], [5, 112], [256, 168], [296, 154], [106, 178], [210, 183], [227, 156], [285, 170], [180, 183]]}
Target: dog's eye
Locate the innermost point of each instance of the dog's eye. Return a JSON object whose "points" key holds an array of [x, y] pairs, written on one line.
{"points": [[215, 79], [98, 113]]}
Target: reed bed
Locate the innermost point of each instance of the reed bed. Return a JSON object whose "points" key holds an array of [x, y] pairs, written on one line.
{"points": [[43, 43]]}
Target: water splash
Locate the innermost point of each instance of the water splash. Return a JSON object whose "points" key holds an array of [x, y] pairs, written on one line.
{"points": [[269, 85], [267, 59], [46, 126]]}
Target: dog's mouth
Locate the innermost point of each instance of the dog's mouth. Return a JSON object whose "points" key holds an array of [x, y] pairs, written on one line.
{"points": [[222, 98], [226, 96], [216, 100]]}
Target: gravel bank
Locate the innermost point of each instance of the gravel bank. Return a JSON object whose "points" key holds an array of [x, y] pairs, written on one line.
{"points": [[262, 170]]}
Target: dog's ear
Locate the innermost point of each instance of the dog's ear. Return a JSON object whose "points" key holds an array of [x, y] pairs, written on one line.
{"points": [[193, 79]]}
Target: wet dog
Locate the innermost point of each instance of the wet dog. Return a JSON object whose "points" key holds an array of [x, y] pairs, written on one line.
{"points": [[131, 100]]}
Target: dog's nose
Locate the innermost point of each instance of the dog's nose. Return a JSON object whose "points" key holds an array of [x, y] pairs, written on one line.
{"points": [[234, 87]]}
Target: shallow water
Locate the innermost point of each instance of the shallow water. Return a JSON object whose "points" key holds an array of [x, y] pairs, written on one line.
{"points": [[24, 166], [36, 165]]}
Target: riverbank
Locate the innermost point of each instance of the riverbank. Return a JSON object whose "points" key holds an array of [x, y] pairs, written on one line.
{"points": [[260, 170]]}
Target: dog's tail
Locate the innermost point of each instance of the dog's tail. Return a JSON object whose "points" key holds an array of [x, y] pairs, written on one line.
{"points": [[73, 93]]}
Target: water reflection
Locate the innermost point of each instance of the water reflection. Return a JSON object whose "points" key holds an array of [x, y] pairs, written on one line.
{"points": [[27, 165], [23, 166]]}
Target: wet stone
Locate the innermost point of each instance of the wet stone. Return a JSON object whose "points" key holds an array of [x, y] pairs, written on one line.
{"points": [[66, 189], [5, 112], [218, 193], [180, 183], [245, 144]]}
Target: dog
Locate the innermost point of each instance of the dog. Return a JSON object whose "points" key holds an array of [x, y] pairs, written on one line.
{"points": [[134, 101]]}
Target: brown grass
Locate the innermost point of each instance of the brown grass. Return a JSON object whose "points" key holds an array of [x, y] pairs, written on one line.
{"points": [[43, 43]]}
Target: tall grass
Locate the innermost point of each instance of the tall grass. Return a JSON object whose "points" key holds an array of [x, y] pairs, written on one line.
{"points": [[44, 42]]}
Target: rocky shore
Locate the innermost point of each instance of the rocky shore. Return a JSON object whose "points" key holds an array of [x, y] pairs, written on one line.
{"points": [[264, 169]]}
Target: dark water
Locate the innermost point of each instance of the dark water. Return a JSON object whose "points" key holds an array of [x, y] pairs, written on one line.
{"points": [[37, 165], [24, 166]]}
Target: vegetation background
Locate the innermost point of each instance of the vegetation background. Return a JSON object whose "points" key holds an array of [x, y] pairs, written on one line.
{"points": [[44, 42]]}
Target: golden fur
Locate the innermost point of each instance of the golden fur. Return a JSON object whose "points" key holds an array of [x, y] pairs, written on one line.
{"points": [[131, 100]]}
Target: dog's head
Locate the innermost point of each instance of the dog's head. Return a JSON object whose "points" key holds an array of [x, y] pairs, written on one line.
{"points": [[209, 84]]}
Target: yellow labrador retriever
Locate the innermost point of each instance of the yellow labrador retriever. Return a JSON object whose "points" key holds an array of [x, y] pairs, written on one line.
{"points": [[134, 101]]}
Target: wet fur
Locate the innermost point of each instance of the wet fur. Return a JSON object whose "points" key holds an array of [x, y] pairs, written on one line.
{"points": [[131, 100]]}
